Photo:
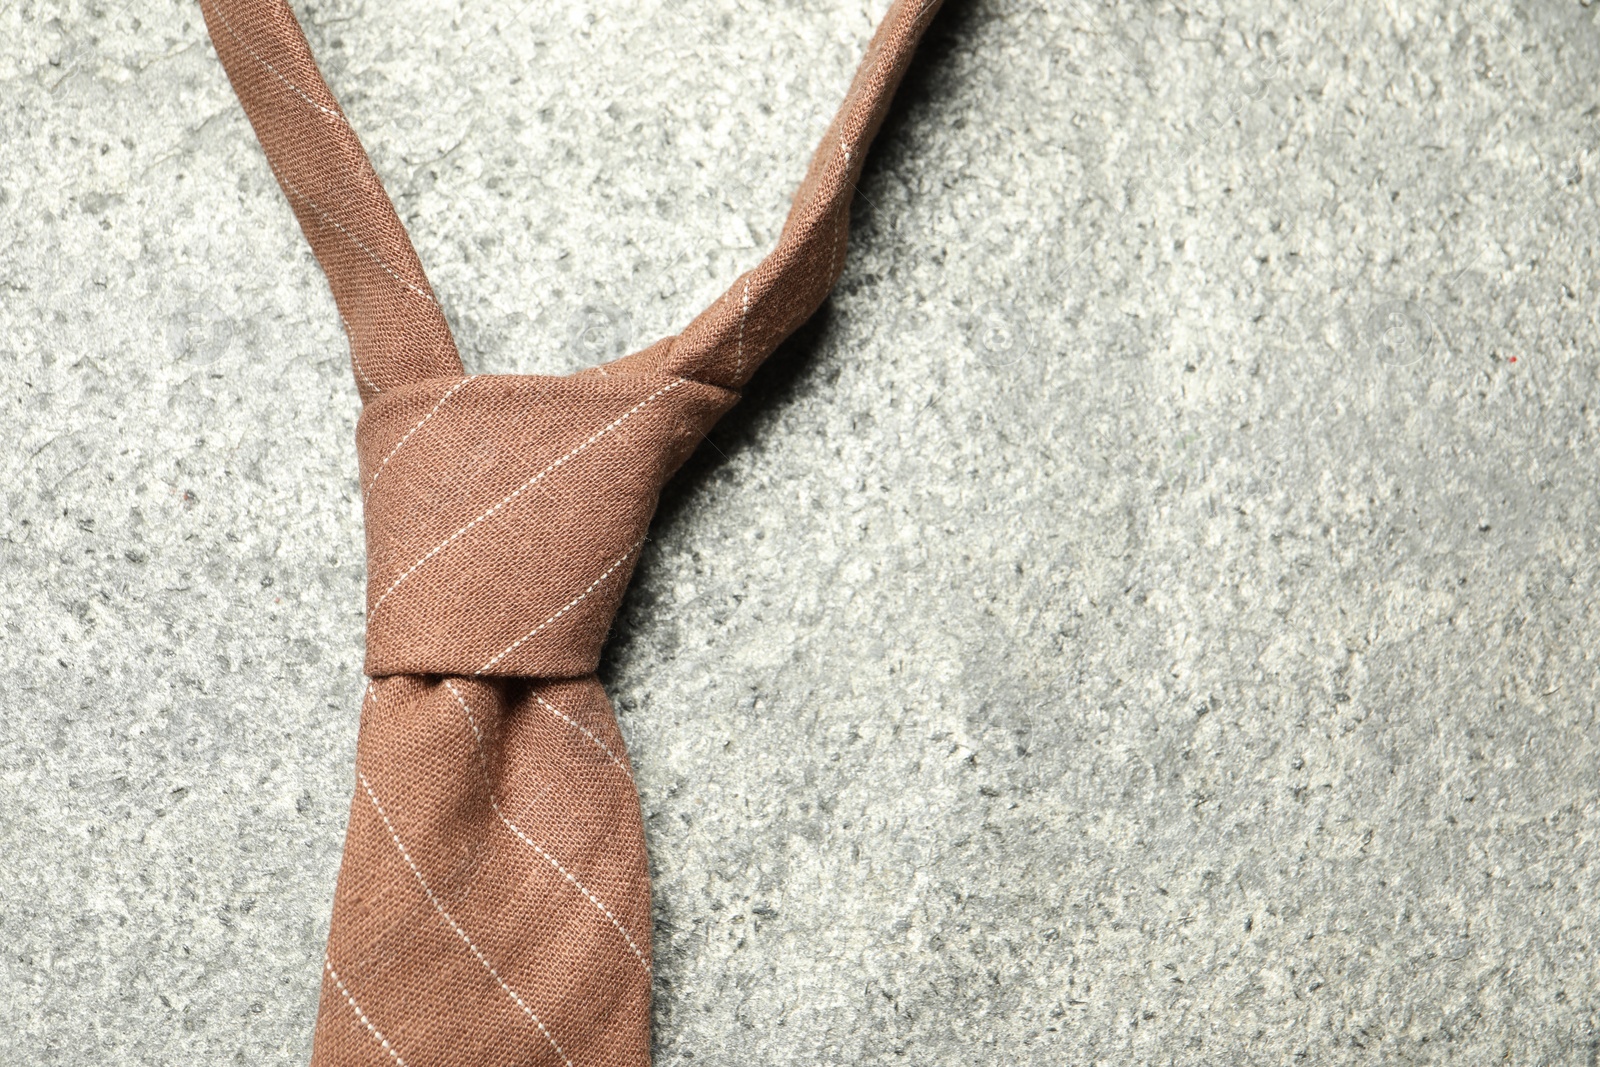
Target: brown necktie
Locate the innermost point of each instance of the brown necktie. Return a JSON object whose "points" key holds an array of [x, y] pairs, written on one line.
{"points": [[493, 906]]}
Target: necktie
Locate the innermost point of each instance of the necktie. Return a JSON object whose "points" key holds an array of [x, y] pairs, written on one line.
{"points": [[493, 905]]}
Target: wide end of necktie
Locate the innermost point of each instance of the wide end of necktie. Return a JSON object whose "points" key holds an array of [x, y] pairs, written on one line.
{"points": [[493, 906]]}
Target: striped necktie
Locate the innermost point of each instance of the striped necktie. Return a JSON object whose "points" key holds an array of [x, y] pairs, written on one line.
{"points": [[493, 904]]}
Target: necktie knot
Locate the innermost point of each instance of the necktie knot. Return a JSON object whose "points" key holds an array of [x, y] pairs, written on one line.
{"points": [[505, 513]]}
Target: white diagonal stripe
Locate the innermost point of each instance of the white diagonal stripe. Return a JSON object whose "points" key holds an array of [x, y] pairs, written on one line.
{"points": [[373, 1030], [744, 313], [575, 724], [574, 602], [523, 488], [358, 242], [494, 802], [454, 389], [449, 921], [259, 58]]}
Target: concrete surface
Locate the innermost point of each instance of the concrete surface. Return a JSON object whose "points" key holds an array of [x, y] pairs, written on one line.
{"points": [[1148, 617]]}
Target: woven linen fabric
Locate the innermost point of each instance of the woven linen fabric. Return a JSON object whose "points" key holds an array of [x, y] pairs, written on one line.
{"points": [[493, 905]]}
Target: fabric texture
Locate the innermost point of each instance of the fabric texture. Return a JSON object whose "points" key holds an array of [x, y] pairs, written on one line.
{"points": [[493, 905]]}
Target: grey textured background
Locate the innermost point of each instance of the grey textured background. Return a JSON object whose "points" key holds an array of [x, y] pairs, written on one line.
{"points": [[1147, 617]]}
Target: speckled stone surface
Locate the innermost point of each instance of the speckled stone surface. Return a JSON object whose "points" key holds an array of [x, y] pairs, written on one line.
{"points": [[1148, 616]]}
